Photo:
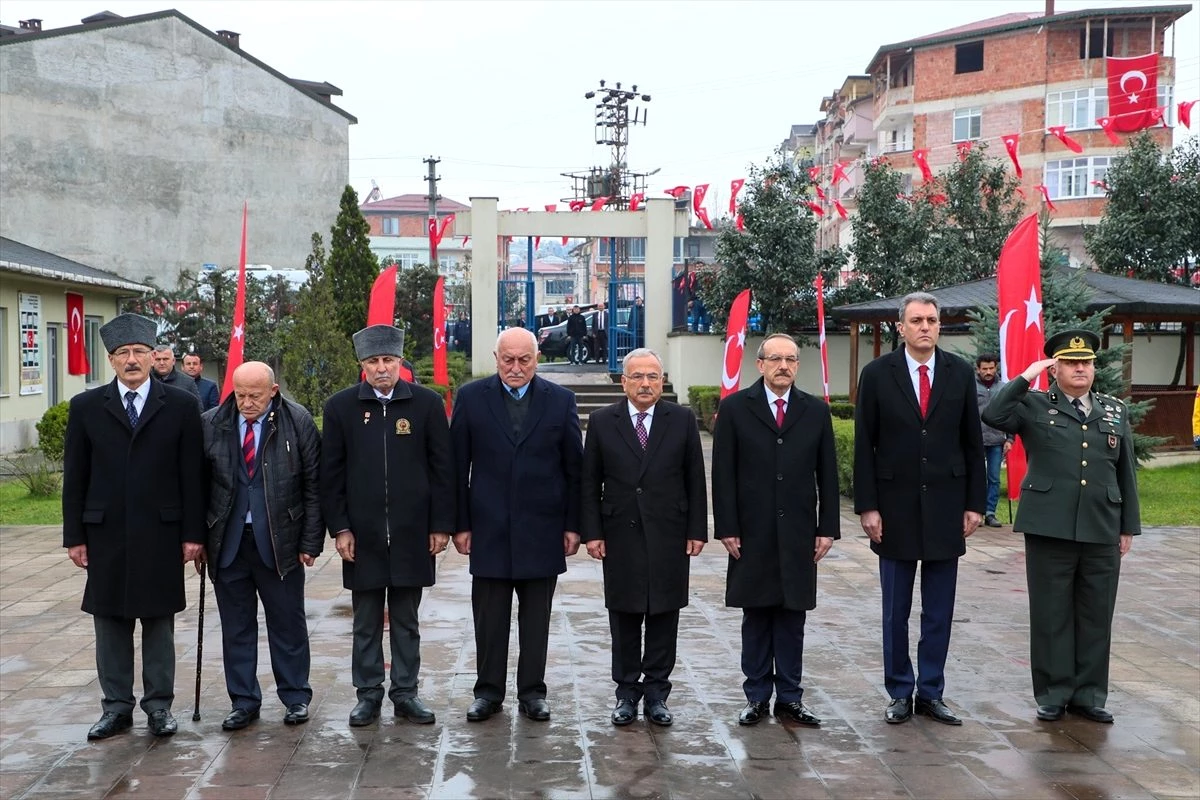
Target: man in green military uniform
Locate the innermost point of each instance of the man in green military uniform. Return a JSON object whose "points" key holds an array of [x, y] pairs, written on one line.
{"points": [[1079, 514]]}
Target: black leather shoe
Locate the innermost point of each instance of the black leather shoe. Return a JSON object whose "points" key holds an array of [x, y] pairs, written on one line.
{"points": [[992, 522], [797, 713], [1050, 713], [366, 712], [110, 724], [754, 713], [240, 718], [536, 709], [899, 710], [624, 713], [658, 713], [481, 708], [1094, 713], [413, 710], [297, 714], [937, 710], [161, 723]]}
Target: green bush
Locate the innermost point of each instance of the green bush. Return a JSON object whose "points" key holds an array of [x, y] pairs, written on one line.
{"points": [[841, 410], [52, 432], [843, 440], [704, 401]]}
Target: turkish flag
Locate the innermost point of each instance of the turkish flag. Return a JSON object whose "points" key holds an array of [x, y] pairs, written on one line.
{"points": [[577, 205], [735, 186], [815, 208], [735, 344], [698, 197], [636, 200], [703, 215], [1108, 125], [819, 285], [1010, 144], [1185, 112], [441, 373], [1041, 187], [1060, 132], [739, 222], [237, 337], [1019, 300], [921, 157], [441, 231], [1132, 91], [814, 173], [820, 193], [841, 209], [77, 360], [598, 203], [381, 308], [675, 191], [964, 148], [839, 173]]}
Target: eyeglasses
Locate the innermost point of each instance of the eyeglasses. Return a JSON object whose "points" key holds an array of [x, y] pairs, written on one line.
{"points": [[775, 361], [126, 352], [638, 377]]}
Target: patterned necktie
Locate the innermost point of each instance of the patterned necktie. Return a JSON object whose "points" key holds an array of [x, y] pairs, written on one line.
{"points": [[516, 393], [131, 409], [640, 429], [924, 384], [248, 448], [1079, 412], [779, 404]]}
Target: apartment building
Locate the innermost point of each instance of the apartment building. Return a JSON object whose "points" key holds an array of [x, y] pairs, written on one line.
{"points": [[845, 135], [399, 229]]}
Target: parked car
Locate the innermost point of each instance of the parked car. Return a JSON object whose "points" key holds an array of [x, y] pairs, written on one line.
{"points": [[553, 341]]}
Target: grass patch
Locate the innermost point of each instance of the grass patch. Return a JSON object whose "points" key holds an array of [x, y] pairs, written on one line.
{"points": [[1167, 495], [17, 507]]}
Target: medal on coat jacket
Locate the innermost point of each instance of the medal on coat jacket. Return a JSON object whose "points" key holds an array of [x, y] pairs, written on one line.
{"points": [[366, 417], [1112, 442], [403, 427]]}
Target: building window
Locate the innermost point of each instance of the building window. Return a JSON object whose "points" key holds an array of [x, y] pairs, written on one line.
{"points": [[968, 57], [407, 260], [1095, 46], [635, 250], [391, 226], [4, 365], [1078, 109], [560, 286], [967, 123], [1076, 177], [896, 141], [91, 342], [1166, 95]]}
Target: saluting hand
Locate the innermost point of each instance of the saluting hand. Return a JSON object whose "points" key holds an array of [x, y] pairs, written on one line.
{"points": [[1037, 368]]}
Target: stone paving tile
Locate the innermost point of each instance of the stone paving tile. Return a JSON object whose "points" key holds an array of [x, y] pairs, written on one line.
{"points": [[49, 697]]}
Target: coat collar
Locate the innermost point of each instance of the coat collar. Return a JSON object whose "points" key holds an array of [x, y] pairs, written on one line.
{"points": [[758, 406], [536, 395], [401, 391], [155, 400], [903, 378]]}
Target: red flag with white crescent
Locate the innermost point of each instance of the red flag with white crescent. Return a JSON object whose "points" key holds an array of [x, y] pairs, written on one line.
{"points": [[820, 287], [441, 231], [839, 173], [921, 157], [636, 200], [1041, 187], [599, 203], [964, 148], [841, 209], [739, 222], [1010, 144], [815, 208], [703, 215], [1132, 91], [820, 193], [1022, 335], [577, 205], [441, 372], [1185, 112], [814, 173], [735, 344], [675, 191], [698, 194], [237, 336], [1060, 133], [735, 186], [77, 359], [465, 240]]}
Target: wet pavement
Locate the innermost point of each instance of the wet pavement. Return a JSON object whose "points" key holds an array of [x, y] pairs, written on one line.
{"points": [[49, 697]]}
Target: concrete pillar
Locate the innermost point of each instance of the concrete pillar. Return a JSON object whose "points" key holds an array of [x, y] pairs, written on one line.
{"points": [[485, 261], [660, 253]]}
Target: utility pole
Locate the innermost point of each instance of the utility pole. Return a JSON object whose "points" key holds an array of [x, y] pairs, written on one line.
{"points": [[433, 197]]}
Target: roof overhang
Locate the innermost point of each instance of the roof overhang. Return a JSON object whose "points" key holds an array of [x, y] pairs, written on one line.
{"points": [[117, 284]]}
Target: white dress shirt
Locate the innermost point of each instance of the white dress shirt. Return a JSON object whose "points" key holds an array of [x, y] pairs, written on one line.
{"points": [[142, 392], [915, 376], [772, 397], [633, 415]]}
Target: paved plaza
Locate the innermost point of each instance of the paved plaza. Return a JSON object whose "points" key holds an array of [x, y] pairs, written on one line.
{"points": [[49, 697]]}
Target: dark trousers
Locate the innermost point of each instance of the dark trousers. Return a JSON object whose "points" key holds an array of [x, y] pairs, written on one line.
{"points": [[1072, 596], [238, 588], [491, 601], [772, 653], [939, 579], [575, 350], [630, 661], [600, 338], [114, 662], [366, 658]]}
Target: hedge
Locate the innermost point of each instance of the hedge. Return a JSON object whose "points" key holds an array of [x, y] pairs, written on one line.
{"points": [[704, 401], [843, 440]]}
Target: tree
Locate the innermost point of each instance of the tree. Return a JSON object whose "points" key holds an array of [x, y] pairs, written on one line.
{"points": [[1151, 222], [318, 358], [351, 266], [1065, 297], [414, 309], [891, 233], [775, 256]]}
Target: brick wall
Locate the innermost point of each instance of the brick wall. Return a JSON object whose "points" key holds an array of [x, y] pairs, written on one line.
{"points": [[410, 224]]}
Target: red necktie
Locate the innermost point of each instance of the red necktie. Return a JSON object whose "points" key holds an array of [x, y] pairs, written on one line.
{"points": [[924, 384], [779, 412], [248, 448]]}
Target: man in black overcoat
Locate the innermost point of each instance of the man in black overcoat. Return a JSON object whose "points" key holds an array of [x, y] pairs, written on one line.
{"points": [[775, 508], [919, 485], [518, 454], [133, 514], [387, 496], [645, 514]]}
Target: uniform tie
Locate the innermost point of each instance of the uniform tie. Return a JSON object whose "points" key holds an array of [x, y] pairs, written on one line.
{"points": [[640, 429], [248, 448], [779, 404], [131, 409], [923, 383], [1079, 409]]}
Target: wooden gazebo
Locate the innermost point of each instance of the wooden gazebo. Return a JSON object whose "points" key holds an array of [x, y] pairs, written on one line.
{"points": [[1132, 301]]}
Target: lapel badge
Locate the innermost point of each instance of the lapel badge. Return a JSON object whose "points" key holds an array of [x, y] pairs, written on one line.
{"points": [[366, 417], [1052, 411], [1112, 442], [403, 427]]}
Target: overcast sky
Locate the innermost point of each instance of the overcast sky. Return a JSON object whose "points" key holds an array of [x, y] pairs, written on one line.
{"points": [[496, 88]]}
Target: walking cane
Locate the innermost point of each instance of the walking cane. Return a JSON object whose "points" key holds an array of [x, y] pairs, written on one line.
{"points": [[200, 639]]}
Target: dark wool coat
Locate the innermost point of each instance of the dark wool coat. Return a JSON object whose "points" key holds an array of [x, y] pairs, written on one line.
{"points": [[776, 489], [644, 504], [388, 477], [517, 495], [921, 475], [133, 496]]}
